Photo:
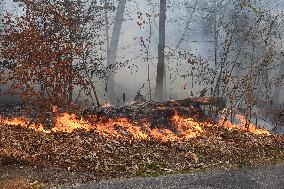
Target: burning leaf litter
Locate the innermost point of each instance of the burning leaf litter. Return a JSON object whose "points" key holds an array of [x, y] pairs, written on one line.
{"points": [[123, 142], [186, 127], [119, 128]]}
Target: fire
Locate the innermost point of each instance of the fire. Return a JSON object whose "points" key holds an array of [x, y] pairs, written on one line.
{"points": [[184, 128], [187, 128], [243, 125], [119, 127], [122, 128], [69, 123], [106, 104], [22, 121], [163, 135]]}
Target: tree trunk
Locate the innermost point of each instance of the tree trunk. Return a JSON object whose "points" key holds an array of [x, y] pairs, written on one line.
{"points": [[68, 5], [1, 15], [159, 91], [277, 91], [112, 53], [217, 87], [107, 28]]}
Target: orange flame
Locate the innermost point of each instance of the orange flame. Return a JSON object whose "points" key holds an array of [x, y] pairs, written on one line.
{"points": [[119, 127], [106, 105], [187, 128], [21, 121], [69, 123], [243, 125], [183, 128]]}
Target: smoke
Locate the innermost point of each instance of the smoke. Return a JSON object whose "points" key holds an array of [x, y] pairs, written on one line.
{"points": [[136, 49]]}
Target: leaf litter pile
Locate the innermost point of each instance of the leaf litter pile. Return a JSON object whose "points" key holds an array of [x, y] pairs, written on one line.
{"points": [[138, 140]]}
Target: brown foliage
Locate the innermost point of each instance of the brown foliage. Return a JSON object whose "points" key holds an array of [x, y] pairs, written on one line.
{"points": [[43, 45]]}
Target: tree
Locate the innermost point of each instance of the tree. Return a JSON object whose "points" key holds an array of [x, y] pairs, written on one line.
{"points": [[2, 63], [44, 44], [112, 49], [277, 89], [248, 56], [159, 91], [1, 12]]}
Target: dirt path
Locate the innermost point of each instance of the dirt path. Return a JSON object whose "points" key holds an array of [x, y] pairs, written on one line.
{"points": [[271, 177], [19, 176]]}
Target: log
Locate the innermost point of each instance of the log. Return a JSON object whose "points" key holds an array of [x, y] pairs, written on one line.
{"points": [[160, 113], [219, 103]]}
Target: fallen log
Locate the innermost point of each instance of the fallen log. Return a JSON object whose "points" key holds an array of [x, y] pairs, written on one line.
{"points": [[158, 114], [219, 103]]}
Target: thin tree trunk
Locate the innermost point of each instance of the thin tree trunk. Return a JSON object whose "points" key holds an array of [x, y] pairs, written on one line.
{"points": [[277, 90], [1, 15], [68, 4], [112, 55], [159, 92], [91, 82], [216, 47], [107, 28]]}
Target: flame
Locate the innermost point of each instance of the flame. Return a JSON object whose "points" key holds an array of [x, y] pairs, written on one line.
{"points": [[106, 105], [243, 125], [22, 121], [69, 123], [163, 135], [122, 128], [184, 128], [187, 127]]}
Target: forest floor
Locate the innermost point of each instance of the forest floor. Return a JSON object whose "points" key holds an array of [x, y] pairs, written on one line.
{"points": [[33, 159]]}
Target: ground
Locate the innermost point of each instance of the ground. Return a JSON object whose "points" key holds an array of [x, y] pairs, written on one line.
{"points": [[17, 176], [271, 177], [26, 176], [32, 158]]}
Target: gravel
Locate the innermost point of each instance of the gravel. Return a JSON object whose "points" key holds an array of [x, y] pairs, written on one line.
{"points": [[271, 177]]}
